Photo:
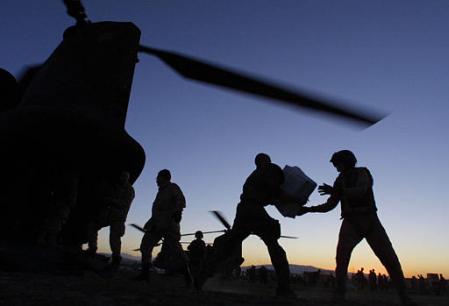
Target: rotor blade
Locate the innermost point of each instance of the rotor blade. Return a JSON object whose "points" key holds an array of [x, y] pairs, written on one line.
{"points": [[137, 227], [136, 250], [289, 237], [222, 219], [213, 74], [209, 232]]}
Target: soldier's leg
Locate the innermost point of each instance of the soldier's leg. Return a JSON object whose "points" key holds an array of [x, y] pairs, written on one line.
{"points": [[116, 231], [380, 243], [92, 238], [269, 230], [279, 261], [149, 241], [348, 238], [175, 253], [228, 245], [224, 247]]}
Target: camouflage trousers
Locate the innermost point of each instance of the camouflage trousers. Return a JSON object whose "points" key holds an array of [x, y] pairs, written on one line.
{"points": [[53, 224], [352, 231], [171, 246], [116, 232], [252, 218]]}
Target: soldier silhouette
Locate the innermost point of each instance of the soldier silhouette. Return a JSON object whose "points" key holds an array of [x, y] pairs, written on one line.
{"points": [[353, 188], [261, 188], [197, 252], [164, 223]]}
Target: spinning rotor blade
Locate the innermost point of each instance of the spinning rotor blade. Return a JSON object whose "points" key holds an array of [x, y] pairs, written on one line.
{"points": [[209, 232], [289, 237], [137, 227], [222, 219], [202, 71]]}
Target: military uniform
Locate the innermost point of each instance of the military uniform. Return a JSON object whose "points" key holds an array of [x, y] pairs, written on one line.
{"points": [[353, 189], [117, 203], [64, 198], [262, 187], [164, 223], [120, 202], [197, 254], [197, 251]]}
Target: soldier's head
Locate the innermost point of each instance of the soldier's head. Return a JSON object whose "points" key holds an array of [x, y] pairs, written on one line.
{"points": [[343, 160], [124, 177], [199, 235], [163, 177], [262, 159]]}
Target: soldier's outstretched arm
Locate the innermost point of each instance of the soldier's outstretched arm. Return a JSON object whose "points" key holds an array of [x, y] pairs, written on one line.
{"points": [[331, 202]]}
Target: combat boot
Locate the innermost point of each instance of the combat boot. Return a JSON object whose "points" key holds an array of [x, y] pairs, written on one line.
{"points": [[116, 260], [206, 271], [188, 277], [144, 274], [91, 252]]}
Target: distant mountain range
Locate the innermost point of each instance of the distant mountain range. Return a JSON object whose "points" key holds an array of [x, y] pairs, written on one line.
{"points": [[296, 269]]}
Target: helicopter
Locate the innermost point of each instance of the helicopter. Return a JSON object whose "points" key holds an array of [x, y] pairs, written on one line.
{"points": [[65, 120]]}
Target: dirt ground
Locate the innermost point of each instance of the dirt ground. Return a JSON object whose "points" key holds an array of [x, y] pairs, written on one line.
{"points": [[91, 289]]}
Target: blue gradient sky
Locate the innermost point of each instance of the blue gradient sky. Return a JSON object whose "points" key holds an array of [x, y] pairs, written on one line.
{"points": [[386, 55]]}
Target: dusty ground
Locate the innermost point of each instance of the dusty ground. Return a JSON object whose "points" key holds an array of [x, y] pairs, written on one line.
{"points": [[90, 289]]}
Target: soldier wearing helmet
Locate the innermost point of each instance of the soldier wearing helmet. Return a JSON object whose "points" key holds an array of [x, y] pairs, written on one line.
{"points": [[353, 188], [197, 252]]}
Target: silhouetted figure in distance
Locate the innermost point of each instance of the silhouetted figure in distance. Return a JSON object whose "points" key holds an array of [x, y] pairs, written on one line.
{"points": [[443, 284], [197, 252], [353, 188], [372, 280]]}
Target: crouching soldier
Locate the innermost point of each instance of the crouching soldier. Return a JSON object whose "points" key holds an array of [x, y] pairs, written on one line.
{"points": [[353, 188], [261, 188]]}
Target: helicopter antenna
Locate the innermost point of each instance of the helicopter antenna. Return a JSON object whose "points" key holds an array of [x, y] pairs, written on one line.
{"points": [[76, 10]]}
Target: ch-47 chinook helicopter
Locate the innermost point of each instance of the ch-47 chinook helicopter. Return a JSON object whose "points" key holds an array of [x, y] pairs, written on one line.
{"points": [[62, 124]]}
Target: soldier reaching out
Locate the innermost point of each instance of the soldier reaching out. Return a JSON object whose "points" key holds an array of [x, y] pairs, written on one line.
{"points": [[353, 188]]}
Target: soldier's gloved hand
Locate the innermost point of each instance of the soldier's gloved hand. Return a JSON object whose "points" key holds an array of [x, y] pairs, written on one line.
{"points": [[325, 189]]}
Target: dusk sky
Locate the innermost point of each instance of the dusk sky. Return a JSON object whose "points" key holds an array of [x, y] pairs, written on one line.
{"points": [[390, 56]]}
